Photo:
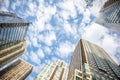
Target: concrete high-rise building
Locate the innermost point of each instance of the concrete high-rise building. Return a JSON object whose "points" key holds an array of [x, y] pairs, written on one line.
{"points": [[90, 62], [110, 15], [12, 37], [53, 71], [17, 71]]}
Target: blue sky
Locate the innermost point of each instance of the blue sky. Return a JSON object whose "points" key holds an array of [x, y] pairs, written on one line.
{"points": [[57, 26]]}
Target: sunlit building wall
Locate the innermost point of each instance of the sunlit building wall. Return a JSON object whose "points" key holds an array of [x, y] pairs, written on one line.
{"points": [[10, 53], [91, 62], [53, 71], [19, 70]]}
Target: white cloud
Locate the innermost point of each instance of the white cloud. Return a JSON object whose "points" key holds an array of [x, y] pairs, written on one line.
{"points": [[48, 37], [68, 9], [34, 57], [38, 68], [94, 32], [44, 13], [65, 49], [4, 5], [40, 53], [32, 40], [86, 16], [48, 27], [96, 7], [70, 29], [47, 50], [15, 4], [80, 5]]}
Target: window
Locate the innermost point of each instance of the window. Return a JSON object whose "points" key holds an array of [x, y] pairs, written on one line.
{"points": [[78, 78]]}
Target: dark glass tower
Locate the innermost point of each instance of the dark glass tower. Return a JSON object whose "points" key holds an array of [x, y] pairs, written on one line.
{"points": [[110, 15], [12, 37], [12, 45], [90, 62], [12, 29]]}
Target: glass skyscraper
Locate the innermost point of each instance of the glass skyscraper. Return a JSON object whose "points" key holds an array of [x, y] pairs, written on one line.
{"points": [[53, 71], [12, 45], [12, 29], [12, 37], [91, 62], [110, 15]]}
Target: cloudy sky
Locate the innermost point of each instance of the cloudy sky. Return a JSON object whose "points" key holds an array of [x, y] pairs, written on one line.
{"points": [[57, 26]]}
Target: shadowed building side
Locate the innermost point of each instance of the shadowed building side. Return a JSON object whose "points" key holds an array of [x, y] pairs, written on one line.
{"points": [[110, 15]]}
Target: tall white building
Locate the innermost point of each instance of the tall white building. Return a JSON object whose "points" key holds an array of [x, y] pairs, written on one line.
{"points": [[53, 71]]}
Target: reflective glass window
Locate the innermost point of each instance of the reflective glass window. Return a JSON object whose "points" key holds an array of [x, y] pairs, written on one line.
{"points": [[13, 33], [4, 33], [20, 33]]}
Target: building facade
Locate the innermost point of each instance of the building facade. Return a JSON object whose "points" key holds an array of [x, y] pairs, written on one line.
{"points": [[53, 71], [17, 71], [12, 37], [12, 29], [12, 45], [90, 62], [10, 53], [110, 15]]}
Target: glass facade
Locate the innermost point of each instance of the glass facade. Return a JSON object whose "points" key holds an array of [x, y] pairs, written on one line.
{"points": [[95, 63], [13, 33], [12, 37], [12, 29], [110, 15]]}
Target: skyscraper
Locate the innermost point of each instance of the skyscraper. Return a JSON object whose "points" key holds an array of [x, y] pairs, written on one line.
{"points": [[12, 37], [53, 71], [90, 62], [110, 15], [17, 71], [13, 44]]}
